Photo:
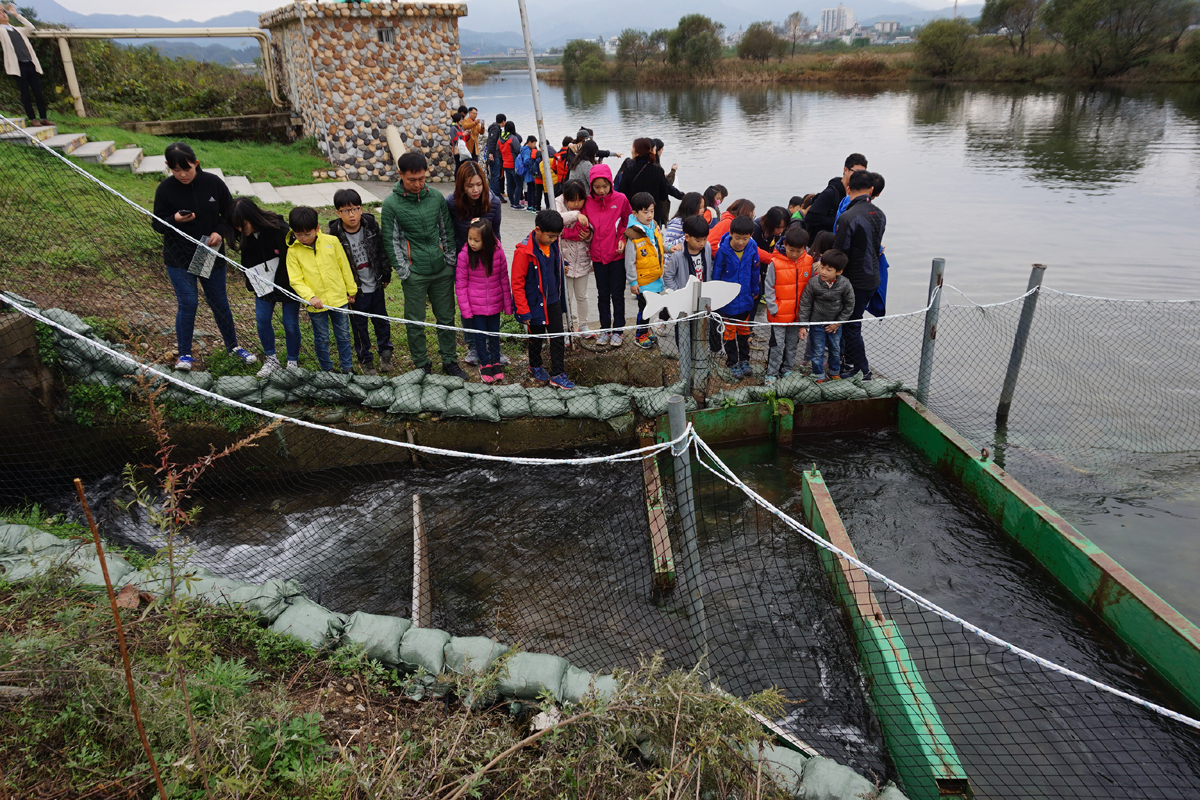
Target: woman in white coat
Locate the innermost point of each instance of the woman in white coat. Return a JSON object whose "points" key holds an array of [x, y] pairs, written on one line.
{"points": [[21, 62]]}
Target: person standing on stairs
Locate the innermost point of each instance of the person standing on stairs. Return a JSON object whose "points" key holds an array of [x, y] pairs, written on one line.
{"points": [[21, 62]]}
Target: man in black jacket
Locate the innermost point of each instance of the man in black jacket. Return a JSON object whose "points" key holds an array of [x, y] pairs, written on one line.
{"points": [[823, 211], [860, 236], [494, 164]]}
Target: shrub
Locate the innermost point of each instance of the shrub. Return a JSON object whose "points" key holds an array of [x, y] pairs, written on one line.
{"points": [[864, 65], [944, 46], [584, 61]]}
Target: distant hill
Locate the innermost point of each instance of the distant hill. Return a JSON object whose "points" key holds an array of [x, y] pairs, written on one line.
{"points": [[215, 53], [50, 11]]}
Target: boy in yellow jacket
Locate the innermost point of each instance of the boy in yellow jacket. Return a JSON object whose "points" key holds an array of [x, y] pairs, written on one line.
{"points": [[320, 272], [644, 259]]}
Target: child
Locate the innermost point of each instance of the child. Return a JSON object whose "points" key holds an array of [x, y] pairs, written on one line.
{"points": [[787, 276], [645, 256], [737, 262], [796, 207], [827, 298], [261, 236], [458, 141], [692, 258], [484, 293], [531, 159], [738, 208], [821, 242], [319, 271], [537, 281], [362, 242], [713, 197], [691, 205], [608, 212], [576, 253]]}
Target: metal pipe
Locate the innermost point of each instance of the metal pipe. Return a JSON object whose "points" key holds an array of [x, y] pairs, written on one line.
{"points": [[931, 320], [685, 500], [1019, 342], [64, 47]]}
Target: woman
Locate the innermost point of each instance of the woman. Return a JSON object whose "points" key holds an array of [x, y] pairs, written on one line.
{"points": [[472, 199], [261, 236], [195, 203], [662, 212], [643, 174]]}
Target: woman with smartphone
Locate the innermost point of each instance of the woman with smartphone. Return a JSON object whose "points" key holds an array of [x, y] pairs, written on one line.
{"points": [[195, 203]]}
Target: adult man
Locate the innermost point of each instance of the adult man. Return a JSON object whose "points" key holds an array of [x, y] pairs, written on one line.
{"points": [[823, 211], [494, 163], [21, 62], [860, 236], [418, 238]]}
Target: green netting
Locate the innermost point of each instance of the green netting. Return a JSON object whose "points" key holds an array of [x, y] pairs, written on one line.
{"points": [[546, 402]]}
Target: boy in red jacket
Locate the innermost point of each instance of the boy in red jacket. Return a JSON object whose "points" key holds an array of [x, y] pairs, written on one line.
{"points": [[537, 284]]}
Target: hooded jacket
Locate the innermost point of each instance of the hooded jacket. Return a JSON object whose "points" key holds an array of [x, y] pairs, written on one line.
{"points": [[575, 241], [208, 198], [742, 271], [718, 231], [417, 233], [860, 236], [493, 135], [821, 302], [645, 257], [321, 271], [823, 211], [480, 294], [537, 280], [608, 216], [679, 267], [509, 145], [373, 241], [11, 66], [262, 246], [462, 223], [783, 285]]}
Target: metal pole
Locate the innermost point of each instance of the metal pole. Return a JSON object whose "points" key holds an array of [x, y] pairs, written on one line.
{"points": [[690, 568], [64, 47], [931, 320], [700, 347], [1019, 342]]}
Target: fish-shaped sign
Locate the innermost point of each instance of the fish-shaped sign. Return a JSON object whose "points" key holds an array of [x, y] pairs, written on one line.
{"points": [[680, 302]]}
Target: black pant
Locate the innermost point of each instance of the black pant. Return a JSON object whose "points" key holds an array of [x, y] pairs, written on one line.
{"points": [[854, 350], [610, 292], [370, 303], [554, 324], [28, 81], [737, 349], [533, 195]]}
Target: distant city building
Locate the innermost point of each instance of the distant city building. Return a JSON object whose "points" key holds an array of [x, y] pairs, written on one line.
{"points": [[836, 20], [887, 27], [735, 38], [516, 52], [610, 45], [903, 40]]}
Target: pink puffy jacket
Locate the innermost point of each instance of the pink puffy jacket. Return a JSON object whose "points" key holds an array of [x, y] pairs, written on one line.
{"points": [[478, 294], [609, 216]]}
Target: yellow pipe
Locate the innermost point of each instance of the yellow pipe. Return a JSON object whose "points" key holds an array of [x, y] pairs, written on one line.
{"points": [[64, 47]]}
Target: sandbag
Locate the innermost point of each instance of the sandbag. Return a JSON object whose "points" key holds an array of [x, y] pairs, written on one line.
{"points": [[80, 558], [411, 378], [369, 382], [408, 399], [445, 381], [289, 378], [485, 407], [67, 320], [513, 406], [336, 387], [892, 792], [235, 387], [310, 622], [378, 635], [458, 404], [740, 395], [423, 648], [612, 405], [433, 398], [382, 397], [825, 779], [99, 377], [477, 388], [274, 396], [798, 388], [583, 406], [529, 674], [786, 767], [546, 405], [578, 683], [15, 539], [267, 601], [509, 390], [201, 380], [612, 389], [880, 387], [841, 390], [471, 653]]}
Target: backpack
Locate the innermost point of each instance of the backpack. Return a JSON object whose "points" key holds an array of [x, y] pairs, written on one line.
{"points": [[521, 163]]}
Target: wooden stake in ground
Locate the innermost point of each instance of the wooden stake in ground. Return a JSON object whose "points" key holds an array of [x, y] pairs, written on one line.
{"points": [[422, 596]]}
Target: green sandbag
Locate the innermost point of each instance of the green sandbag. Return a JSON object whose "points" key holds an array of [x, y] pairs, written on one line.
{"points": [[612, 389], [529, 674], [881, 387], [446, 381], [514, 406], [16, 539], [335, 387], [369, 382], [579, 683], [841, 390], [584, 406], [477, 388], [411, 378], [825, 779], [509, 390], [784, 766], [485, 407], [267, 601], [715, 400], [289, 379], [458, 404], [740, 395], [799, 388], [433, 398], [471, 653], [114, 365], [195, 582], [382, 397], [612, 405], [892, 792], [378, 635], [76, 366], [100, 378], [546, 402], [67, 320], [408, 399], [201, 380], [273, 396], [81, 560], [235, 387], [310, 622], [423, 648]]}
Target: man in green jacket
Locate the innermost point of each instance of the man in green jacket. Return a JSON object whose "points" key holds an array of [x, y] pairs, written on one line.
{"points": [[418, 238]]}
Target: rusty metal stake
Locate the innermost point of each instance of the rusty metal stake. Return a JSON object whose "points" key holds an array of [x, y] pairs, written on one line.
{"points": [[112, 600]]}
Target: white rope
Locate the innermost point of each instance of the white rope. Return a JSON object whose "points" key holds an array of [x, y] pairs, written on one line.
{"points": [[973, 304], [1115, 299], [864, 319], [630, 455], [731, 478]]}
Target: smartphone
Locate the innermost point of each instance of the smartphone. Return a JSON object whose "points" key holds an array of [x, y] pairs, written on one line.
{"points": [[184, 212]]}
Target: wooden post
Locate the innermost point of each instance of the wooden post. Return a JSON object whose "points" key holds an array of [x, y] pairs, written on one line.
{"points": [[660, 535], [422, 591], [64, 47]]}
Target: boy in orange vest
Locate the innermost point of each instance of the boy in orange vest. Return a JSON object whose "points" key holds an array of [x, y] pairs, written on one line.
{"points": [[787, 275]]}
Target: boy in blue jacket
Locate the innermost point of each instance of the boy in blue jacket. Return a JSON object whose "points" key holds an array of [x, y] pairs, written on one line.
{"points": [[737, 262]]}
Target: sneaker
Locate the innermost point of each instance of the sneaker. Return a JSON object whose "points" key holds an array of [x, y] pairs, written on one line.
{"points": [[615, 341], [561, 381], [770, 379], [428, 369], [452, 368], [293, 365], [270, 364], [819, 378], [184, 364], [604, 339], [367, 369], [385, 360], [747, 370], [472, 357], [503, 360], [539, 374], [498, 375], [644, 341], [245, 355], [786, 372], [487, 373]]}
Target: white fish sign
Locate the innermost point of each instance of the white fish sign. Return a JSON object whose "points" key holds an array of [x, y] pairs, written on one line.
{"points": [[678, 302]]}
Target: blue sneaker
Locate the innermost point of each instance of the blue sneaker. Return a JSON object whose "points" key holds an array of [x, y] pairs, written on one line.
{"points": [[539, 374], [245, 355], [770, 379], [561, 381], [185, 363]]}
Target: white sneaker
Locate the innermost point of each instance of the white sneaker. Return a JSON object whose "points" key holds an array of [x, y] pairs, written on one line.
{"points": [[472, 358], [603, 339], [504, 362], [270, 364], [616, 340], [293, 365]]}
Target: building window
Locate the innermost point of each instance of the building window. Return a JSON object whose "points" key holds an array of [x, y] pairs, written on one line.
{"points": [[385, 35]]}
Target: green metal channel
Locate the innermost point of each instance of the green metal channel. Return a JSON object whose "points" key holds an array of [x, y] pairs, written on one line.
{"points": [[1162, 636], [917, 741]]}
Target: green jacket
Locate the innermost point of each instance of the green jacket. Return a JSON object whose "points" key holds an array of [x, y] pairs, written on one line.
{"points": [[418, 235]]}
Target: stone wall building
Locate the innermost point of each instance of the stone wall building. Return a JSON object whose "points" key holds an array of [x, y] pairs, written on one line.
{"points": [[350, 70]]}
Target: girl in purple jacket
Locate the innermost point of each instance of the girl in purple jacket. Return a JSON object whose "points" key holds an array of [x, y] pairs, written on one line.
{"points": [[484, 293]]}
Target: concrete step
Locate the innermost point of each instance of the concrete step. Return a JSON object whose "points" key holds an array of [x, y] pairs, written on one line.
{"points": [[38, 133], [156, 165], [128, 159], [239, 186], [9, 124], [67, 143], [266, 193], [94, 152], [214, 171]]}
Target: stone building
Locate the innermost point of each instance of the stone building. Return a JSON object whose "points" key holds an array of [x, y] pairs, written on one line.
{"points": [[350, 70]]}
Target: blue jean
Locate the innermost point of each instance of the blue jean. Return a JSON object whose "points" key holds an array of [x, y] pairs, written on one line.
{"points": [[516, 187], [496, 177], [822, 343], [341, 334], [264, 319], [187, 300], [487, 347]]}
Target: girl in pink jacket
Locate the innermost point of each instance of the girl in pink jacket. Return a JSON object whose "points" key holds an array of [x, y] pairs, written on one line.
{"points": [[608, 212], [484, 293]]}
